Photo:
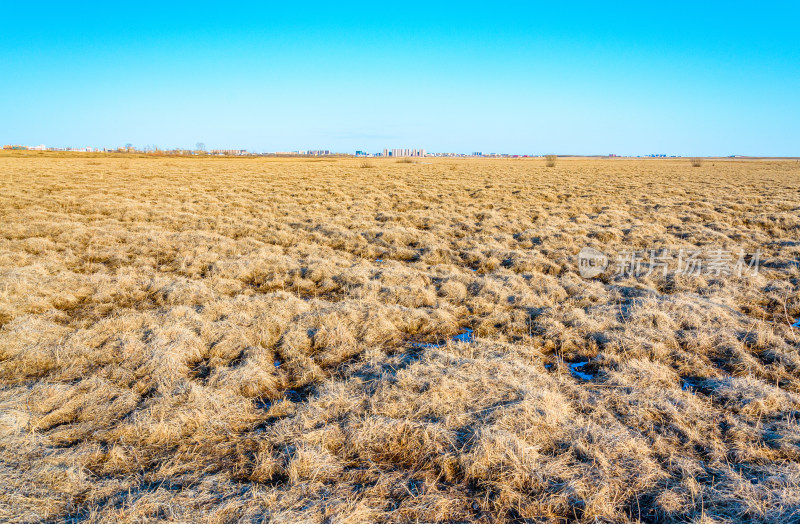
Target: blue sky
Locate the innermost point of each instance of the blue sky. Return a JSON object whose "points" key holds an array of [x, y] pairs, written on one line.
{"points": [[574, 77]]}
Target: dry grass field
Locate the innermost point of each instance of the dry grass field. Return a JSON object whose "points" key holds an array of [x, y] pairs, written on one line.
{"points": [[234, 339]]}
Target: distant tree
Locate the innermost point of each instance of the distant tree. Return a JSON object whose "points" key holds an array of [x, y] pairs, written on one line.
{"points": [[128, 147], [200, 146]]}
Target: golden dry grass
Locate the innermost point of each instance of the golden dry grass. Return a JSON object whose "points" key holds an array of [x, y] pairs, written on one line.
{"points": [[225, 339]]}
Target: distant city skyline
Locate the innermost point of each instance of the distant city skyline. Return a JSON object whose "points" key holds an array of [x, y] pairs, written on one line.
{"points": [[386, 153], [579, 78]]}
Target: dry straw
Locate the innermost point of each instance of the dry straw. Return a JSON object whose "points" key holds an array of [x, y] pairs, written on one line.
{"points": [[272, 340]]}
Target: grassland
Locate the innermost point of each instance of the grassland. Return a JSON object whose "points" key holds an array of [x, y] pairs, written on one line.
{"points": [[271, 339]]}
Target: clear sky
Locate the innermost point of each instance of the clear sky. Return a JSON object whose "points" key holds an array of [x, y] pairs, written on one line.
{"points": [[685, 78]]}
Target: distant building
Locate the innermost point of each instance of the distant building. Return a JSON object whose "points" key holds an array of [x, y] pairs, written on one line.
{"points": [[229, 152], [404, 152]]}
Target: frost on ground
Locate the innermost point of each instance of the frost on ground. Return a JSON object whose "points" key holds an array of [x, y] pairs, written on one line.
{"points": [[286, 340]]}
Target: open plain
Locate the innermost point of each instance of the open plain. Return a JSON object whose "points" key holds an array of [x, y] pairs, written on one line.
{"points": [[272, 339]]}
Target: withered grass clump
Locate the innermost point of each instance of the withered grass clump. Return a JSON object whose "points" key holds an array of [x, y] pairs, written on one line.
{"points": [[550, 160], [697, 162], [259, 339]]}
